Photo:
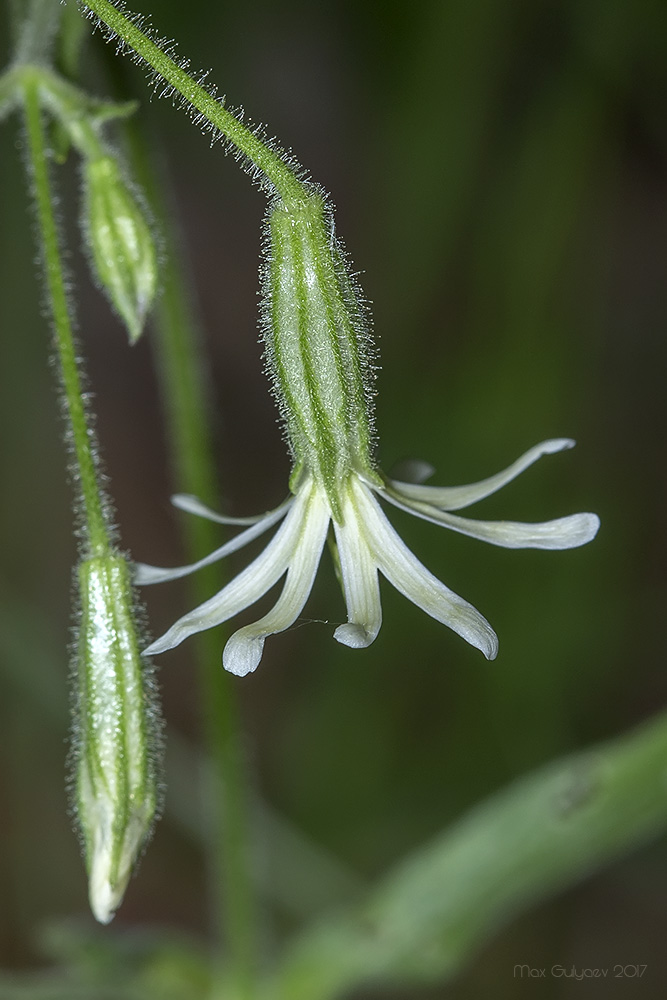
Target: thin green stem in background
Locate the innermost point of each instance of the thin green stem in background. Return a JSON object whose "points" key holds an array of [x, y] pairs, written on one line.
{"points": [[82, 439], [34, 25], [184, 396]]}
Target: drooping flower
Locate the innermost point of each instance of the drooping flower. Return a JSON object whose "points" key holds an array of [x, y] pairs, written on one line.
{"points": [[367, 546], [319, 357]]}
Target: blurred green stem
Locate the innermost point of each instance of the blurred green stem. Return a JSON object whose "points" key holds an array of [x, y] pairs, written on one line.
{"points": [[545, 832], [184, 395], [34, 24], [82, 439]]}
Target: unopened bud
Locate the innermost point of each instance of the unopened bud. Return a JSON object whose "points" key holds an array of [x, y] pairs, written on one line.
{"points": [[117, 735], [123, 249]]}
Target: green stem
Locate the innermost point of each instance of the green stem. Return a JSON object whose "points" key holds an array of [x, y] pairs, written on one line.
{"points": [[184, 394], [36, 32], [547, 831], [81, 434], [269, 163]]}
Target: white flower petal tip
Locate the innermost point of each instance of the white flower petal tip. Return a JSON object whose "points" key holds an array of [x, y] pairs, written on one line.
{"points": [[464, 619], [145, 575], [108, 879], [193, 505], [555, 445], [243, 652], [486, 642], [573, 531], [562, 533], [189, 503], [103, 905], [354, 635], [104, 901], [412, 470], [448, 498], [161, 645]]}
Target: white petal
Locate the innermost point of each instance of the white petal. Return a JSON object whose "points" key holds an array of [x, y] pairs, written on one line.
{"points": [[411, 470], [244, 648], [248, 586], [561, 533], [411, 578], [144, 574], [360, 582], [457, 497], [193, 505]]}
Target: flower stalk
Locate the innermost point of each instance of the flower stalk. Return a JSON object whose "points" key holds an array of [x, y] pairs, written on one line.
{"points": [[267, 165], [96, 536]]}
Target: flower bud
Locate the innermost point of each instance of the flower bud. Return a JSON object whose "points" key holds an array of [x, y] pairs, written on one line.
{"points": [[124, 256], [117, 733]]}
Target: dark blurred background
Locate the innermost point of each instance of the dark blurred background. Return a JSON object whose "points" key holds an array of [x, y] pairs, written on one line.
{"points": [[500, 175]]}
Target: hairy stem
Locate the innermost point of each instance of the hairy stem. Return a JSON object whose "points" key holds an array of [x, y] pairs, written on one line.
{"points": [[82, 437], [269, 164]]}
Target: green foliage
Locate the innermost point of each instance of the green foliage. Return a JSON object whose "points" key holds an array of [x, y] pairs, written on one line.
{"points": [[433, 911]]}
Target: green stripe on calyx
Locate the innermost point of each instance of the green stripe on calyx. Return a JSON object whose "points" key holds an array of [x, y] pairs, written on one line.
{"points": [[316, 346]]}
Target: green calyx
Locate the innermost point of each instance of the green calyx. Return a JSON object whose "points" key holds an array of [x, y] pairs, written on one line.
{"points": [[317, 344]]}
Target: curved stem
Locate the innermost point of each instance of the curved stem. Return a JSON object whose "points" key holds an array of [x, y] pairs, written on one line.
{"points": [[261, 157]]}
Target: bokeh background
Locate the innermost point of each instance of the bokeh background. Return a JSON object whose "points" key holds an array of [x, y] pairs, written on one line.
{"points": [[500, 175]]}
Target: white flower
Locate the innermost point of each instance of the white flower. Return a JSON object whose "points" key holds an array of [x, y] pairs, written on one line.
{"points": [[319, 356], [367, 546]]}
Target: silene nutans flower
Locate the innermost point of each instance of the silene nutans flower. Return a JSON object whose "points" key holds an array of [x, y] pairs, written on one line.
{"points": [[319, 357], [117, 733]]}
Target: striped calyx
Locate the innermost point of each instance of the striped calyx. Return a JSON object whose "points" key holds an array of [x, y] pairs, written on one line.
{"points": [[317, 346], [117, 733], [124, 256]]}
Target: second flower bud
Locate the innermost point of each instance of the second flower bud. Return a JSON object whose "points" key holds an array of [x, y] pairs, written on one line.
{"points": [[124, 256]]}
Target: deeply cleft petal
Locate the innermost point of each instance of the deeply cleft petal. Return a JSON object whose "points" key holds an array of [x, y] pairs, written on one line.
{"points": [[244, 649], [405, 572], [246, 588], [145, 574], [360, 581], [193, 505], [561, 533], [457, 497]]}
